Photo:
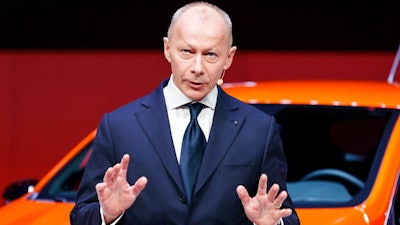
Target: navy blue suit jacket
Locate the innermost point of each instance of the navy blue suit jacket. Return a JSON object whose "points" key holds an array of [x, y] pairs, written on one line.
{"points": [[243, 143]]}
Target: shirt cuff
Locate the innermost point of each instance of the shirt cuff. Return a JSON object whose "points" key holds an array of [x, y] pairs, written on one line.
{"points": [[280, 222], [113, 223]]}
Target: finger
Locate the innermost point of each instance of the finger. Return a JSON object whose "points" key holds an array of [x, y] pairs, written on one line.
{"points": [[280, 198], [243, 195], [124, 165], [262, 185], [125, 161], [139, 185], [273, 192], [109, 174], [285, 212], [100, 188]]}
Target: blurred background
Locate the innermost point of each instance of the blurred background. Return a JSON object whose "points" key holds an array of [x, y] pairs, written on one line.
{"points": [[65, 63]]}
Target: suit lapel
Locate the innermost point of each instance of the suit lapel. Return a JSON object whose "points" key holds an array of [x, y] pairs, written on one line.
{"points": [[154, 122], [226, 125]]}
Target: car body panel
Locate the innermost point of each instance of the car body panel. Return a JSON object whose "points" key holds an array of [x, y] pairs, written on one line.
{"points": [[342, 216], [338, 93], [24, 211], [386, 184]]}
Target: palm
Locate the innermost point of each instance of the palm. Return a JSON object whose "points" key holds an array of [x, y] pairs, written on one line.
{"points": [[259, 210], [264, 208]]}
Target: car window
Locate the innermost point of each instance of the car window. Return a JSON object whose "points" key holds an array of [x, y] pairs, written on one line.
{"points": [[333, 152], [64, 185]]}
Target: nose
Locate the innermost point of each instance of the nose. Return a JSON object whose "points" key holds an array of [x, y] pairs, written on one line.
{"points": [[197, 64]]}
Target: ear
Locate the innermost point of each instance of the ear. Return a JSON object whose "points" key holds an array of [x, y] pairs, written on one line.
{"points": [[229, 60], [166, 49]]}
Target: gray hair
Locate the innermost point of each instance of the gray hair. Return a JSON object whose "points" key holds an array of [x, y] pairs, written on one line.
{"points": [[184, 8]]}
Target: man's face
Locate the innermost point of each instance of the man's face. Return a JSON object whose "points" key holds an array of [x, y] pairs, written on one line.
{"points": [[198, 51]]}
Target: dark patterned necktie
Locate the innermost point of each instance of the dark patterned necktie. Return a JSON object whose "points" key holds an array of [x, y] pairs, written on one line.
{"points": [[193, 146]]}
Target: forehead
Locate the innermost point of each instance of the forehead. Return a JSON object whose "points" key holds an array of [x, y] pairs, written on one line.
{"points": [[202, 26]]}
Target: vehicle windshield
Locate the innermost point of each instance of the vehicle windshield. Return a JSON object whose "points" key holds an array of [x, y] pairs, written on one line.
{"points": [[333, 154]]}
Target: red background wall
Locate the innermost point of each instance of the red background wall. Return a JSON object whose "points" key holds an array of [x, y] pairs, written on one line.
{"points": [[49, 100]]}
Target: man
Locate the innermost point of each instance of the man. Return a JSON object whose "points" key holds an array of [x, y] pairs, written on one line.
{"points": [[242, 144]]}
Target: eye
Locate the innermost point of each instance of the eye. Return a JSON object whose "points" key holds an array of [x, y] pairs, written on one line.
{"points": [[211, 57], [185, 51], [211, 54]]}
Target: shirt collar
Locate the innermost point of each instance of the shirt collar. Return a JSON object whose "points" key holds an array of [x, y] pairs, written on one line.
{"points": [[174, 98]]}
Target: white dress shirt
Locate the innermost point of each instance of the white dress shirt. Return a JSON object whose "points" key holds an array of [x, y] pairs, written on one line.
{"points": [[179, 115]]}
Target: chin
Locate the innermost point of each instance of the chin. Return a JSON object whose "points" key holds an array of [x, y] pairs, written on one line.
{"points": [[195, 96]]}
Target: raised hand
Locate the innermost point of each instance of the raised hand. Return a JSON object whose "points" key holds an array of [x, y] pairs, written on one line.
{"points": [[115, 193], [265, 207]]}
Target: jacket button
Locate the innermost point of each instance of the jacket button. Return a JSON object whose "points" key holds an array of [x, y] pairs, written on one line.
{"points": [[182, 199]]}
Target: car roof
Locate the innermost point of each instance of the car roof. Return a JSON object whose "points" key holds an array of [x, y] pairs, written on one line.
{"points": [[321, 92]]}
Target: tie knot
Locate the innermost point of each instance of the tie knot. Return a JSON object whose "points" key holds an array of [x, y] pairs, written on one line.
{"points": [[195, 109]]}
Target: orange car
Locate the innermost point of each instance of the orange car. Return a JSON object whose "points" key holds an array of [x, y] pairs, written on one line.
{"points": [[341, 140]]}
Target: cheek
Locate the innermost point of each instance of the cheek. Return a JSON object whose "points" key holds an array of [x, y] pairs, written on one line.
{"points": [[215, 74], [179, 66], [176, 70], [211, 83]]}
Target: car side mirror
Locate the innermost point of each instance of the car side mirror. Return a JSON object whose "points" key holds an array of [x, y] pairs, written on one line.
{"points": [[17, 189]]}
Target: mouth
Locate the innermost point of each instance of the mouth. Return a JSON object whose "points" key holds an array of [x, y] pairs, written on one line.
{"points": [[195, 85]]}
